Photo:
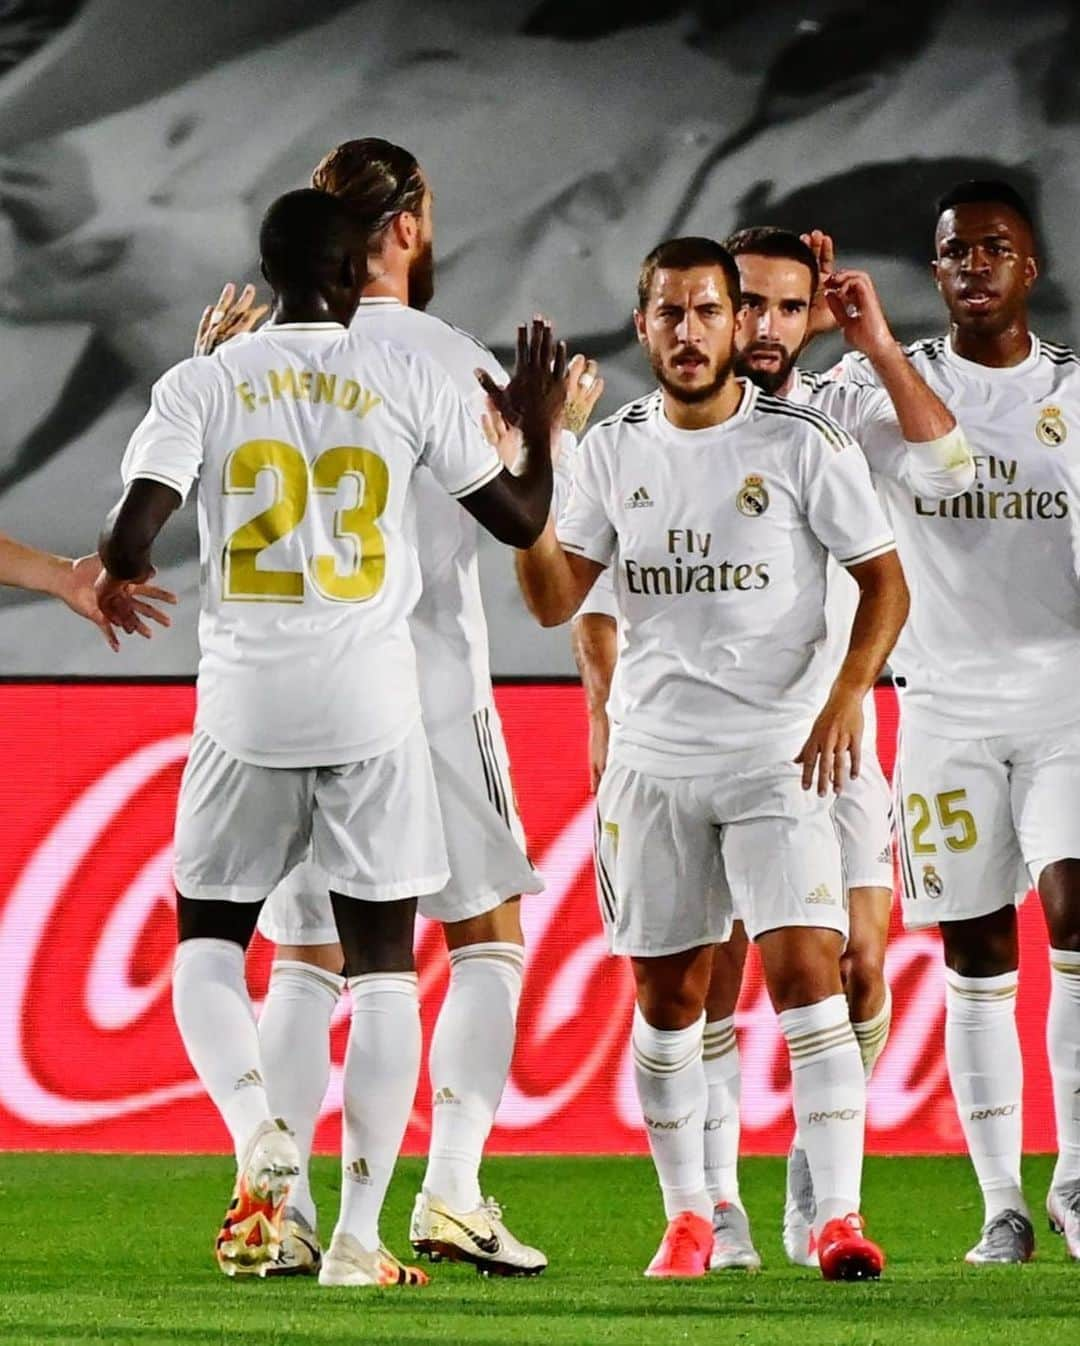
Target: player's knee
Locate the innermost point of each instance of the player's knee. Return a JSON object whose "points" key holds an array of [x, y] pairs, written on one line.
{"points": [[232, 921], [863, 973]]}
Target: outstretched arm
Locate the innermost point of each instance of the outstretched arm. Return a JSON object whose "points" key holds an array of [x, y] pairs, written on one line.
{"points": [[125, 546], [72, 581]]}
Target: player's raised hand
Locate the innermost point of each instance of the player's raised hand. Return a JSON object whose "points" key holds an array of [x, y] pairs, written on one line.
{"points": [[584, 388], [821, 317], [855, 305], [229, 317], [504, 438], [835, 741], [535, 397]]}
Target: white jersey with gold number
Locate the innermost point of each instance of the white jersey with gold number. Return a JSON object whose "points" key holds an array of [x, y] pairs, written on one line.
{"points": [[993, 637], [304, 439], [448, 624], [722, 537]]}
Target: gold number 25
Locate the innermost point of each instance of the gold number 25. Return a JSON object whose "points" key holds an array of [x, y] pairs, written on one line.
{"points": [[244, 581], [950, 817]]}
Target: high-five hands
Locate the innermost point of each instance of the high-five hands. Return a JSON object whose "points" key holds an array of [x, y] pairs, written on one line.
{"points": [[110, 603], [535, 398]]}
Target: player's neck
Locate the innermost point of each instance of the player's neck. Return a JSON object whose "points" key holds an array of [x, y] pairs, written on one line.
{"points": [[302, 308], [998, 350], [702, 415], [388, 286]]}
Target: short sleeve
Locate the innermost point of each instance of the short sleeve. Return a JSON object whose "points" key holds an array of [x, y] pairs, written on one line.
{"points": [[842, 507], [167, 445], [454, 448], [872, 421], [584, 526]]}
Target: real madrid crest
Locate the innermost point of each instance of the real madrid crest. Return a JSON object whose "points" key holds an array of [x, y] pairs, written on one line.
{"points": [[753, 498], [1051, 429], [932, 881]]}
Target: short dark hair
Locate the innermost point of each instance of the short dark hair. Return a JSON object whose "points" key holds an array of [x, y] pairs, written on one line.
{"points": [[986, 190], [375, 178], [305, 237], [766, 240], [680, 254]]}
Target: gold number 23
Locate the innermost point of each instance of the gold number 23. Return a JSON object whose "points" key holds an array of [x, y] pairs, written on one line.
{"points": [[244, 581], [950, 816]]}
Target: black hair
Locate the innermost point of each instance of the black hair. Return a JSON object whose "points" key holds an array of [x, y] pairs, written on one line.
{"points": [[986, 190], [765, 240], [305, 238], [680, 254], [375, 178]]}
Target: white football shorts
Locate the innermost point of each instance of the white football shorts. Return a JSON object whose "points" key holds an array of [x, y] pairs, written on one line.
{"points": [[484, 839], [978, 820], [678, 859], [373, 828], [863, 814]]}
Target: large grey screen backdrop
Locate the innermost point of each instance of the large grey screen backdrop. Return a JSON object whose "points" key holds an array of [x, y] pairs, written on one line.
{"points": [[140, 141]]}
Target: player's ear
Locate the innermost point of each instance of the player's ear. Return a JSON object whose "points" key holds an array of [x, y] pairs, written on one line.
{"points": [[1031, 271], [934, 273], [639, 327]]}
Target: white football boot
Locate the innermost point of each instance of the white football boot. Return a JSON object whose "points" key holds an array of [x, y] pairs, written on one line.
{"points": [[476, 1236], [733, 1248], [800, 1209], [348, 1262]]}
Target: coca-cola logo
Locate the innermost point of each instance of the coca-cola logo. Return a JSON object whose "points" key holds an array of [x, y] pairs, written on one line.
{"points": [[91, 1054]]}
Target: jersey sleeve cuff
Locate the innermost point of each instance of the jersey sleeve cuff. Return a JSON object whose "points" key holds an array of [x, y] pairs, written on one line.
{"points": [[879, 548], [592, 551], [489, 474]]}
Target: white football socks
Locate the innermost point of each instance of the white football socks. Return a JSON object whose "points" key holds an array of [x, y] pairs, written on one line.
{"points": [[294, 1037], [382, 1064], [982, 1051], [213, 1012], [829, 1098], [720, 1053], [1063, 1048], [670, 1078], [469, 1061], [873, 1034]]}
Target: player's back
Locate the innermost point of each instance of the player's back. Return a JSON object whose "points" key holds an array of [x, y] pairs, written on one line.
{"points": [[305, 439], [448, 624], [992, 640]]}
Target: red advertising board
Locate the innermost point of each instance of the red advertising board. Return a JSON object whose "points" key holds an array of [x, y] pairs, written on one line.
{"points": [[91, 1057]]}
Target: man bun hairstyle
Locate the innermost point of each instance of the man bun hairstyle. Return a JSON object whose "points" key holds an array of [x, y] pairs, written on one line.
{"points": [[766, 240], [680, 254], [375, 178]]}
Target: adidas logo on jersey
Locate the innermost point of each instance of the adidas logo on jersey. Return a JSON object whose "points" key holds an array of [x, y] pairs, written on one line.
{"points": [[444, 1096], [639, 500], [248, 1080]]}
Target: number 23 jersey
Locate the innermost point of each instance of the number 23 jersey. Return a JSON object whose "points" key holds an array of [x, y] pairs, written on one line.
{"points": [[304, 439]]}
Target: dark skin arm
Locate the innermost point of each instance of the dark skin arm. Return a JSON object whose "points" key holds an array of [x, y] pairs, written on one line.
{"points": [[514, 506], [125, 545]]}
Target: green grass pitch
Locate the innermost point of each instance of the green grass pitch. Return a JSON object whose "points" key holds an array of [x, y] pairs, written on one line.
{"points": [[117, 1249]]}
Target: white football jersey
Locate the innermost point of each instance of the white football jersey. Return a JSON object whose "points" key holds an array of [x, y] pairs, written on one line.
{"points": [[304, 439], [994, 633], [721, 538], [448, 625]]}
